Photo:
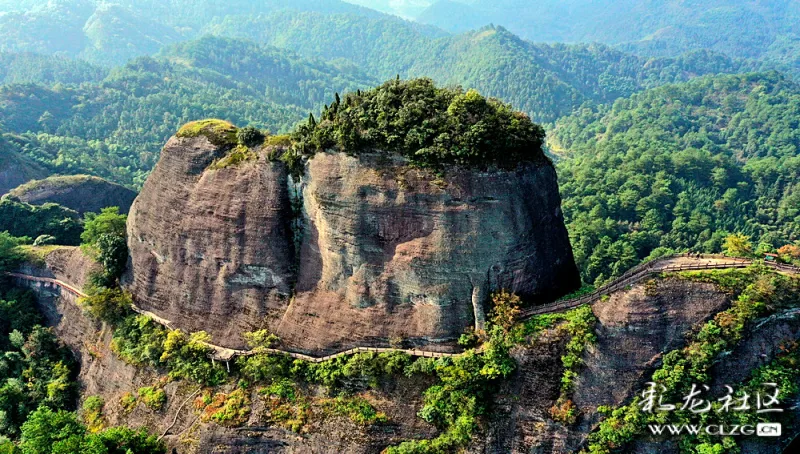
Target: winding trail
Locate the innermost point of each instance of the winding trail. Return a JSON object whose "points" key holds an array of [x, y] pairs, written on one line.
{"points": [[675, 263]]}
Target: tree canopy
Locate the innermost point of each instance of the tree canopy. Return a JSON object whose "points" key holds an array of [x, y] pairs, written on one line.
{"points": [[430, 126]]}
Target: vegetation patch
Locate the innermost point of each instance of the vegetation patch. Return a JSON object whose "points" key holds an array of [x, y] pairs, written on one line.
{"points": [[153, 397], [286, 405], [28, 221], [430, 126], [358, 409], [281, 140], [233, 158], [219, 132], [53, 182], [93, 413], [231, 409], [37, 255], [128, 402]]}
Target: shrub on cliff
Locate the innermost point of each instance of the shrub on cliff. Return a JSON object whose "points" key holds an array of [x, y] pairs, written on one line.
{"points": [[250, 136], [186, 356], [48, 431], [430, 126], [9, 251], [104, 238]]}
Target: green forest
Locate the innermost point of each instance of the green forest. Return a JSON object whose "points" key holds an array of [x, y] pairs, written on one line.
{"points": [[680, 167]]}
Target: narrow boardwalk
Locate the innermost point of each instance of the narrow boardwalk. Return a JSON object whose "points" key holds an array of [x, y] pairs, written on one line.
{"points": [[676, 263]]}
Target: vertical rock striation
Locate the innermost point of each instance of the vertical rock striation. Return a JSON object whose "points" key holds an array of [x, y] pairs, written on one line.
{"points": [[386, 251], [211, 248], [389, 251]]}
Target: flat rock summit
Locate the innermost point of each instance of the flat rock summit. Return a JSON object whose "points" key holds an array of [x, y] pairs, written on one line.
{"points": [[357, 250]]}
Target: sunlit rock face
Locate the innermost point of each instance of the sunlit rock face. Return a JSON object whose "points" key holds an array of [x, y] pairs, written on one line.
{"points": [[361, 250]]}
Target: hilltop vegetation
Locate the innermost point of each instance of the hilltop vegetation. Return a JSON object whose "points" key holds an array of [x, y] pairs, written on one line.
{"points": [[678, 168], [428, 125]]}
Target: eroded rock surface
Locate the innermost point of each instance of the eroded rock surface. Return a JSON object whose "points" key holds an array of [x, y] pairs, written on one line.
{"points": [[211, 249], [385, 251], [635, 327]]}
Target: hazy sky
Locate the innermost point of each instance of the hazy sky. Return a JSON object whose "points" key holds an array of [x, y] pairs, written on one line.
{"points": [[405, 8]]}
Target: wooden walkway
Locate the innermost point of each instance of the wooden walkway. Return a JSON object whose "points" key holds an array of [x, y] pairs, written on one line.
{"points": [[675, 263]]}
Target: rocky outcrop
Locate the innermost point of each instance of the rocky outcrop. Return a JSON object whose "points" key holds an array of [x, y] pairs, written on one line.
{"points": [[104, 374], [82, 193], [383, 250], [211, 249], [390, 251], [16, 169], [635, 327]]}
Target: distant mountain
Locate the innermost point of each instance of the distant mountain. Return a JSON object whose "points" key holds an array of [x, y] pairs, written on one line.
{"points": [[547, 81], [111, 34], [116, 127], [117, 34], [647, 27], [452, 16], [403, 8]]}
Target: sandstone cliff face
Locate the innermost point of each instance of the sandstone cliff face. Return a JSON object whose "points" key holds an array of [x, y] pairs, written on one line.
{"points": [[212, 249], [385, 251], [635, 327], [389, 251], [82, 193], [104, 374]]}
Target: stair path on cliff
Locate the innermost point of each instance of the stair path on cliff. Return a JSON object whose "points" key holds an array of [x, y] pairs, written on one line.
{"points": [[675, 263]]}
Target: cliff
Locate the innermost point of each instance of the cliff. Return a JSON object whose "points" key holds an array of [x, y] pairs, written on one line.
{"points": [[383, 250], [211, 248], [634, 328], [82, 193], [104, 374]]}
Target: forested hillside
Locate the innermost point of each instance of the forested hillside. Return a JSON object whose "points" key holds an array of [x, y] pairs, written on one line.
{"points": [[36, 68], [680, 167], [546, 81], [113, 33], [116, 127], [765, 30]]}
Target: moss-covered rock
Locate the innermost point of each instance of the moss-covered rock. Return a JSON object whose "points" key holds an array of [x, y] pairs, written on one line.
{"points": [[219, 132], [235, 157]]}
